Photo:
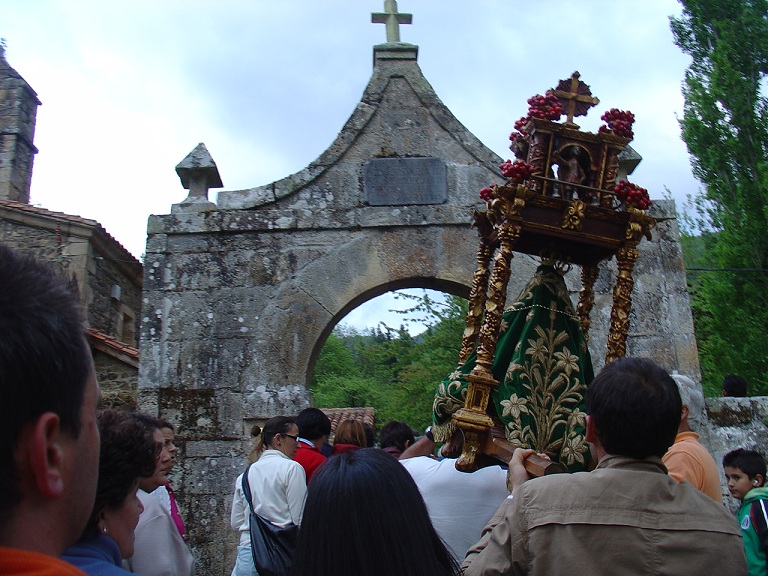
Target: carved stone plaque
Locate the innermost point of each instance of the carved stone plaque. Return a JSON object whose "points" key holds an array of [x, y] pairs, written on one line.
{"points": [[405, 181]]}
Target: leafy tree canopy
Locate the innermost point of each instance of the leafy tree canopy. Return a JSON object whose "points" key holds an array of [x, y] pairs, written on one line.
{"points": [[725, 127]]}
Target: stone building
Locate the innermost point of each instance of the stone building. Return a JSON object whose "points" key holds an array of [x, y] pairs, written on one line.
{"points": [[108, 276]]}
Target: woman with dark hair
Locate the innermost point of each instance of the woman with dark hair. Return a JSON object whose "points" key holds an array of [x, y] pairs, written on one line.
{"points": [[278, 486], [350, 435], [382, 528], [127, 454], [165, 493], [159, 550]]}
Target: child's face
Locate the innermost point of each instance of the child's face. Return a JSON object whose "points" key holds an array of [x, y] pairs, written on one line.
{"points": [[738, 482]]}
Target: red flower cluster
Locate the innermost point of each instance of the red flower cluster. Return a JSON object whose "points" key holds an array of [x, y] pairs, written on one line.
{"points": [[547, 107], [619, 122], [517, 133], [517, 170], [632, 195], [520, 128], [521, 124], [486, 193]]}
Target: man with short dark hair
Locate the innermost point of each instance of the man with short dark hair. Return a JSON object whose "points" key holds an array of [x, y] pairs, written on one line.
{"points": [[314, 429], [49, 439], [395, 437], [625, 517]]}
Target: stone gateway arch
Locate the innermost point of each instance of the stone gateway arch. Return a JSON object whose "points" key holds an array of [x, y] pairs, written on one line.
{"points": [[240, 295]]}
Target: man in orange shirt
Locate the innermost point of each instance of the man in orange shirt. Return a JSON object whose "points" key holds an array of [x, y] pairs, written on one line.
{"points": [[687, 459], [49, 440]]}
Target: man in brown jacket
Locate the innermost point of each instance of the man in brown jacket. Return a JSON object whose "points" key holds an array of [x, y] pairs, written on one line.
{"points": [[625, 517]]}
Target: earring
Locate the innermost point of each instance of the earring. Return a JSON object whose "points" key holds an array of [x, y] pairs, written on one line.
{"points": [[754, 483], [104, 529]]}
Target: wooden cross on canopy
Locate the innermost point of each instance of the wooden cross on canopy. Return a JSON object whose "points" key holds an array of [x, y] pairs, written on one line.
{"points": [[392, 18], [576, 98]]}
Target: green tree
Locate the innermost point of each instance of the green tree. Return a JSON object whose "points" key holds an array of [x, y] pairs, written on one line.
{"points": [[387, 368], [337, 391], [338, 380], [435, 357], [725, 127], [335, 359]]}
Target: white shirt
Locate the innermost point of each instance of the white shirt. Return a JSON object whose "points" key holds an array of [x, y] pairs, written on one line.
{"points": [[460, 504], [278, 490], [159, 549], [161, 493]]}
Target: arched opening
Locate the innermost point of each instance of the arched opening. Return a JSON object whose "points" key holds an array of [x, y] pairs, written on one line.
{"points": [[390, 353]]}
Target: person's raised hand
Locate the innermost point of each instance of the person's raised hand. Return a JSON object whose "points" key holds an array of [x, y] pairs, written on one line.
{"points": [[517, 475]]}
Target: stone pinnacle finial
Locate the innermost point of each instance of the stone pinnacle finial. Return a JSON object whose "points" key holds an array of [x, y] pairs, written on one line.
{"points": [[198, 173], [392, 19]]}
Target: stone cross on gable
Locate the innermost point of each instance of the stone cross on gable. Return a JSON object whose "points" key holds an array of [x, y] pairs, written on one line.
{"points": [[392, 18], [575, 96]]}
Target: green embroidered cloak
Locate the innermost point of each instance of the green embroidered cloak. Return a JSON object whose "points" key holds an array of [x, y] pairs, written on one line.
{"points": [[543, 366]]}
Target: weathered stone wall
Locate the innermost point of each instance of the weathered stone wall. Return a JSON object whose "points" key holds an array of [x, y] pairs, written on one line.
{"points": [[735, 423], [118, 382], [73, 246], [44, 244], [661, 324], [105, 312]]}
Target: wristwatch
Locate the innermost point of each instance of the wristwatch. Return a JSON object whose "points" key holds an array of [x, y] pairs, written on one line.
{"points": [[428, 433]]}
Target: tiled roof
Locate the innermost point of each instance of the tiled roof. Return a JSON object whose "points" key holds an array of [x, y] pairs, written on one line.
{"points": [[337, 415], [24, 207], [51, 215], [112, 346]]}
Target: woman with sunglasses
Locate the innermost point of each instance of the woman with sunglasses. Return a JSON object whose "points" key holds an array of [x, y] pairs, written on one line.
{"points": [[278, 486]]}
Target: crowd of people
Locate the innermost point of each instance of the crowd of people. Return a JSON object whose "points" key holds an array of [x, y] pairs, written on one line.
{"points": [[86, 491]]}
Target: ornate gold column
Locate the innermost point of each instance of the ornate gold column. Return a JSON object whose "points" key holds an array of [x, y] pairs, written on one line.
{"points": [[479, 289], [639, 225], [473, 418], [586, 298], [622, 304], [497, 298]]}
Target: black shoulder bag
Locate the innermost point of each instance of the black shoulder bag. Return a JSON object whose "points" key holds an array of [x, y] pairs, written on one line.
{"points": [[272, 546]]}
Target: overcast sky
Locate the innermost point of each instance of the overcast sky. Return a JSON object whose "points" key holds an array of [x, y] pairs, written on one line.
{"points": [[130, 88]]}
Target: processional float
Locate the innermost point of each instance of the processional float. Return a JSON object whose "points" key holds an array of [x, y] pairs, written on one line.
{"points": [[561, 202]]}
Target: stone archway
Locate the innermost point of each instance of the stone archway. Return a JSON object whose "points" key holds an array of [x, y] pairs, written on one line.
{"points": [[239, 295]]}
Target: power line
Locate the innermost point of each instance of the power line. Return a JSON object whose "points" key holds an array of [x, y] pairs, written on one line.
{"points": [[763, 270]]}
